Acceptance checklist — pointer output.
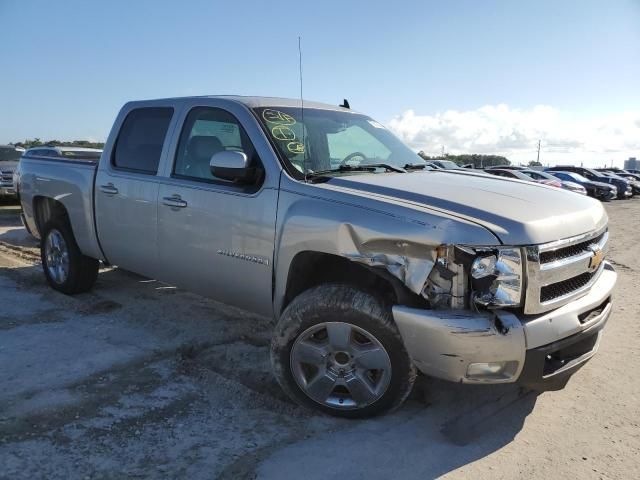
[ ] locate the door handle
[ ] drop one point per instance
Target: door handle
(174, 202)
(109, 189)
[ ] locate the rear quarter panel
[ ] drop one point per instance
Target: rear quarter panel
(68, 182)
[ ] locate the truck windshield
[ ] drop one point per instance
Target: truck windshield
(330, 139)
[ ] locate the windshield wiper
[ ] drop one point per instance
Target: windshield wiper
(368, 167)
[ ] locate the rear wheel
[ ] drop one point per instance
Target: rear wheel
(337, 349)
(65, 267)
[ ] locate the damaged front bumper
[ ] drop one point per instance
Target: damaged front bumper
(498, 346)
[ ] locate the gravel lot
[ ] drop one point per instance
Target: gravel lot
(138, 379)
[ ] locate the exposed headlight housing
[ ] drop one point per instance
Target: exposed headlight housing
(497, 277)
(483, 266)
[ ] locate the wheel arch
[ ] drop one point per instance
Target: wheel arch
(312, 268)
(45, 209)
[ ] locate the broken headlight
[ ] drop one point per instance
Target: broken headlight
(496, 277)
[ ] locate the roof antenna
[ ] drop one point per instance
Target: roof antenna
(345, 104)
(304, 146)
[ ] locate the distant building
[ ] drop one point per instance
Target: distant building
(632, 163)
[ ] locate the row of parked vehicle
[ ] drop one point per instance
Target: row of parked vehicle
(601, 183)
(10, 156)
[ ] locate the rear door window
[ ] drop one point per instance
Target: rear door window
(141, 138)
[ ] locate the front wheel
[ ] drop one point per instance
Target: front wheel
(65, 267)
(337, 349)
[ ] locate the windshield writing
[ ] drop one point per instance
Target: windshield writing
(328, 139)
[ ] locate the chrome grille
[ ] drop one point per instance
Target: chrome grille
(561, 271)
(560, 289)
(6, 178)
(570, 251)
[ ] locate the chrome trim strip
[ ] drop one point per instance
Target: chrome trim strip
(564, 270)
(566, 242)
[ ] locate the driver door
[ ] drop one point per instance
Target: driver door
(216, 237)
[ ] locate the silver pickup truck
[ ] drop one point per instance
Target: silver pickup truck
(374, 266)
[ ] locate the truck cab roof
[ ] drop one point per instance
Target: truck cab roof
(252, 102)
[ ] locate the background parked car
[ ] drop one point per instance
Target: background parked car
(445, 164)
(507, 167)
(630, 177)
(599, 190)
(632, 183)
(9, 157)
(541, 177)
(548, 179)
(623, 186)
(434, 166)
(574, 187)
(509, 173)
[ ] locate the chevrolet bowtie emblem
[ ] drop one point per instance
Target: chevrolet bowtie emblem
(596, 259)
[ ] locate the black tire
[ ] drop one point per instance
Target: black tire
(82, 270)
(346, 304)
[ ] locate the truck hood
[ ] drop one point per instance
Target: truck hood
(517, 212)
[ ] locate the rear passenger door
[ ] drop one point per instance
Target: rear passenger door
(126, 191)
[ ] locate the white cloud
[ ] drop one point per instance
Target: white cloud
(514, 133)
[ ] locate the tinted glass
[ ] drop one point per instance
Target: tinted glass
(141, 137)
(448, 164)
(206, 132)
(592, 174)
(576, 176)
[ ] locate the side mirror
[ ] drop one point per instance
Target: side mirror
(233, 166)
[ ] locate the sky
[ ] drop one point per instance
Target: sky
(457, 76)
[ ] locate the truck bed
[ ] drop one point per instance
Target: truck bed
(69, 182)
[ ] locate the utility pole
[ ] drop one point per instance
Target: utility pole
(442, 149)
(538, 159)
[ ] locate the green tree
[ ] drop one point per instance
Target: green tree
(36, 142)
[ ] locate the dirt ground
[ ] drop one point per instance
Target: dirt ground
(138, 379)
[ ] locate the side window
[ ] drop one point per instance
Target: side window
(206, 132)
(140, 140)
